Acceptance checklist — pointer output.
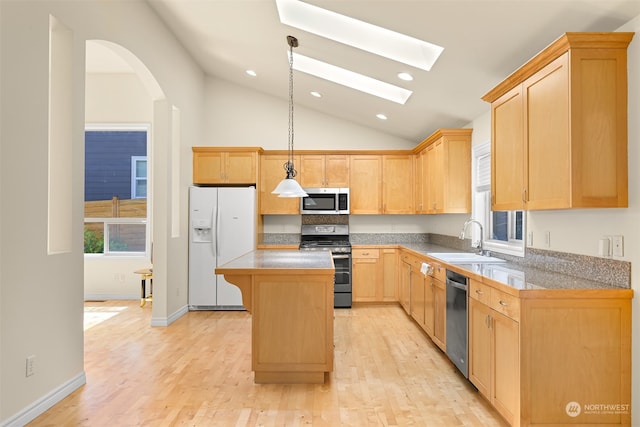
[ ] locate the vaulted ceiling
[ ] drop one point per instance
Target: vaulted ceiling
(484, 41)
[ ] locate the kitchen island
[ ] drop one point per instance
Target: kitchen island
(289, 294)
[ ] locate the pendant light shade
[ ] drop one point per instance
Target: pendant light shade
(289, 187)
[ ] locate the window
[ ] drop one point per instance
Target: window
(139, 177)
(116, 180)
(505, 229)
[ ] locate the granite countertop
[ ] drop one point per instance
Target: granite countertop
(512, 275)
(279, 262)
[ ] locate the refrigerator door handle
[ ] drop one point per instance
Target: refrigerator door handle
(214, 231)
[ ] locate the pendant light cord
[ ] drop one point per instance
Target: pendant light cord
(291, 172)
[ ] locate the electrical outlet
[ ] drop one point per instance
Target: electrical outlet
(617, 245)
(530, 239)
(547, 239)
(31, 365)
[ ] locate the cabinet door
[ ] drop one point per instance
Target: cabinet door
(506, 366)
(429, 307)
(421, 182)
(271, 173)
(507, 152)
(390, 275)
(548, 152)
(208, 167)
(439, 314)
(366, 273)
(240, 168)
(435, 179)
(456, 172)
(365, 176)
(480, 344)
(336, 170)
(405, 285)
(417, 297)
(312, 170)
(397, 185)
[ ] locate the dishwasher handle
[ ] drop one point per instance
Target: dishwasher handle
(461, 286)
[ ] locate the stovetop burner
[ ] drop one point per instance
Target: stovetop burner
(334, 238)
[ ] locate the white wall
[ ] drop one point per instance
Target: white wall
(41, 295)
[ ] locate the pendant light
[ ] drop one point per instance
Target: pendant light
(289, 187)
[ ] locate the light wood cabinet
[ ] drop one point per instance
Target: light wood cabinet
(271, 173)
(397, 184)
(365, 177)
(559, 127)
(404, 290)
(390, 275)
(534, 352)
(418, 296)
(494, 348)
(225, 165)
(374, 274)
(319, 170)
(366, 274)
(439, 306)
(444, 160)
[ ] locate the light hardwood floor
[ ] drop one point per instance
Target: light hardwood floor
(197, 372)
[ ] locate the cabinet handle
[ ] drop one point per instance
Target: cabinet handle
(365, 253)
(487, 321)
(524, 195)
(479, 292)
(503, 303)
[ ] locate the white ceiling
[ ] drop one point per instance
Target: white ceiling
(484, 41)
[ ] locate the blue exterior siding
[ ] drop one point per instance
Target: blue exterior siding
(108, 162)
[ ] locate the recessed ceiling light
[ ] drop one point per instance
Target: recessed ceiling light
(316, 94)
(251, 73)
(362, 35)
(350, 79)
(381, 116)
(405, 76)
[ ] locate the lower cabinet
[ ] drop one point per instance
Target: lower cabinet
(439, 313)
(404, 288)
(374, 274)
(494, 347)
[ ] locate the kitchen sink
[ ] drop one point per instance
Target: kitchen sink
(464, 258)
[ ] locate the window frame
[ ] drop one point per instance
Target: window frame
(110, 127)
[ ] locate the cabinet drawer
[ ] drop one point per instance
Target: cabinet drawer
(366, 253)
(505, 304)
(480, 292)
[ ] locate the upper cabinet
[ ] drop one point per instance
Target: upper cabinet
(381, 183)
(324, 170)
(397, 184)
(225, 165)
(365, 176)
(271, 173)
(443, 179)
(559, 127)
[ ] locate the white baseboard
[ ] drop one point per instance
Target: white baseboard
(41, 405)
(166, 321)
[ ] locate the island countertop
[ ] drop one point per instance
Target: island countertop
(279, 262)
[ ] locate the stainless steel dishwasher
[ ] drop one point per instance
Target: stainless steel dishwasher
(457, 320)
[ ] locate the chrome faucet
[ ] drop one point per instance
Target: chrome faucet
(481, 251)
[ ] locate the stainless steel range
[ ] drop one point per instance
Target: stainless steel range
(334, 238)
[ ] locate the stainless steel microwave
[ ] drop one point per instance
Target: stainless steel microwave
(325, 201)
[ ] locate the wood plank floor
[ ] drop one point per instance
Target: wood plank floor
(197, 372)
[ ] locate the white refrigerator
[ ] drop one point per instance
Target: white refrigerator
(222, 226)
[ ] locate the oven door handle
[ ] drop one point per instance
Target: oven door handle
(341, 256)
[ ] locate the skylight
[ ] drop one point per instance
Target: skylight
(362, 35)
(350, 79)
